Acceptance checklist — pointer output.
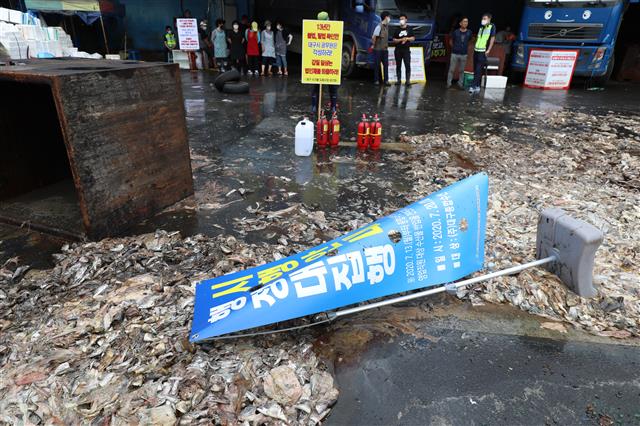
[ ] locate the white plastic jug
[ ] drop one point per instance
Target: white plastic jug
(304, 138)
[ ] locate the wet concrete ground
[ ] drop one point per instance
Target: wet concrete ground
(489, 369)
(246, 141)
(488, 365)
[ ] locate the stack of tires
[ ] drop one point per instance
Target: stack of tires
(229, 82)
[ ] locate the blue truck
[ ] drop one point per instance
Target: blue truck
(591, 27)
(360, 18)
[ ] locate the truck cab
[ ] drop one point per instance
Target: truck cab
(361, 17)
(591, 27)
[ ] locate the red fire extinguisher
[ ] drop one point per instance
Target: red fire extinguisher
(363, 133)
(335, 130)
(322, 131)
(376, 133)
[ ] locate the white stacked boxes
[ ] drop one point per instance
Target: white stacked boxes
(24, 36)
(15, 16)
(12, 39)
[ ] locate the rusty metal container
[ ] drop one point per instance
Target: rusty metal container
(107, 138)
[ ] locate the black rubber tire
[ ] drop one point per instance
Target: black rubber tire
(604, 79)
(225, 77)
(236, 87)
(348, 64)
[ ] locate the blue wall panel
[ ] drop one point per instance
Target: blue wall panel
(146, 19)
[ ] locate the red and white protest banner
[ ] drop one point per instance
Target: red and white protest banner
(550, 69)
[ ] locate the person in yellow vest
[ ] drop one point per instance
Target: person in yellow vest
(170, 43)
(484, 43)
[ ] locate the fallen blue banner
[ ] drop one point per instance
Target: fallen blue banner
(437, 240)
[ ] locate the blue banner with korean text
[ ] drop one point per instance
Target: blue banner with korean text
(434, 241)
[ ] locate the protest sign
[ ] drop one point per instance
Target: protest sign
(437, 240)
(188, 34)
(550, 69)
(321, 51)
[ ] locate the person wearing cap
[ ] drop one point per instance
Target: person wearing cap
(333, 89)
(380, 42)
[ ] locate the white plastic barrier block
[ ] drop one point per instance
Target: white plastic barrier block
(494, 82)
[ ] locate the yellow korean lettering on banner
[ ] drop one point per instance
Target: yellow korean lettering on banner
(271, 274)
(369, 231)
(321, 51)
(236, 286)
(316, 254)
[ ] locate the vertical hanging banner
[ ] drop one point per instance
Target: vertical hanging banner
(437, 240)
(550, 69)
(321, 51)
(187, 30)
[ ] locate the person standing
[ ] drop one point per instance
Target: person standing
(315, 89)
(268, 48)
(283, 40)
(169, 41)
(244, 24)
(380, 41)
(237, 51)
(252, 36)
(206, 47)
(219, 39)
(402, 38)
(506, 38)
(459, 44)
(484, 44)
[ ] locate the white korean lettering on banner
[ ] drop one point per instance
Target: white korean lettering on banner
(381, 260)
(268, 294)
(310, 280)
(342, 274)
(222, 311)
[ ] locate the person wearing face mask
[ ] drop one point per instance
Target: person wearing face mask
(252, 36)
(268, 48)
(380, 41)
(237, 53)
(484, 43)
(283, 39)
(219, 38)
(169, 41)
(206, 47)
(459, 44)
(402, 39)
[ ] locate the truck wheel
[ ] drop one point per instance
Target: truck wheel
(604, 79)
(516, 77)
(231, 75)
(348, 64)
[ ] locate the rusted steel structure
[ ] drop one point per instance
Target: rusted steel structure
(116, 129)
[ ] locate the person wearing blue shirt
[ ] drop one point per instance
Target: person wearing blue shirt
(459, 44)
(484, 44)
